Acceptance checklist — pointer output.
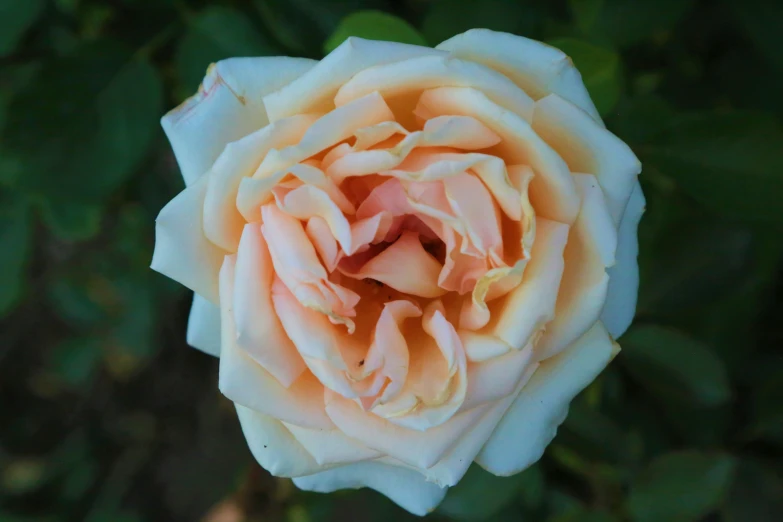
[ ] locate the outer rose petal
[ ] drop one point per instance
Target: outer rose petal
(226, 108)
(182, 251)
(623, 290)
(538, 68)
(405, 487)
(273, 446)
(315, 90)
(426, 72)
(531, 423)
(331, 446)
(590, 250)
(204, 326)
(587, 147)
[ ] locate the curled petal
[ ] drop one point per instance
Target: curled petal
(552, 191)
(296, 264)
(225, 109)
(426, 72)
(482, 347)
(255, 192)
(538, 68)
(493, 379)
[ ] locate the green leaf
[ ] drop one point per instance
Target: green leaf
(374, 25)
(214, 34)
(75, 360)
(85, 122)
(593, 434)
(480, 494)
(674, 366)
(680, 487)
(447, 18)
(730, 162)
(16, 240)
(692, 262)
(761, 21)
(600, 69)
(71, 221)
(626, 22)
(16, 17)
(755, 495)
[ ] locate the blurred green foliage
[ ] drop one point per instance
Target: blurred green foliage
(108, 416)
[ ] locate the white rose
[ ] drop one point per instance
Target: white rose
(408, 259)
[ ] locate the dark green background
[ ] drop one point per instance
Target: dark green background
(105, 413)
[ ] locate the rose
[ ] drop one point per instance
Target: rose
(406, 258)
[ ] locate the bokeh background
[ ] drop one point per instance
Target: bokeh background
(107, 416)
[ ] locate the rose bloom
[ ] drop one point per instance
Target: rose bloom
(407, 259)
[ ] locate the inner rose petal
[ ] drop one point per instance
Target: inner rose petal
(296, 264)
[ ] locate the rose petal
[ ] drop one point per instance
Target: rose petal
(482, 347)
(315, 90)
(590, 250)
(332, 446)
(621, 297)
(493, 379)
(259, 331)
(246, 382)
(296, 264)
(532, 420)
(538, 68)
(225, 108)
(426, 72)
(182, 251)
(422, 449)
(273, 446)
(420, 275)
(531, 305)
(587, 147)
(552, 191)
(223, 223)
(204, 326)
(406, 488)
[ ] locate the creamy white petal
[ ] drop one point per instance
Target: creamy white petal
(315, 90)
(590, 250)
(204, 326)
(331, 446)
(588, 147)
(620, 306)
(532, 420)
(538, 68)
(405, 487)
(226, 108)
(426, 72)
(273, 446)
(496, 378)
(182, 251)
